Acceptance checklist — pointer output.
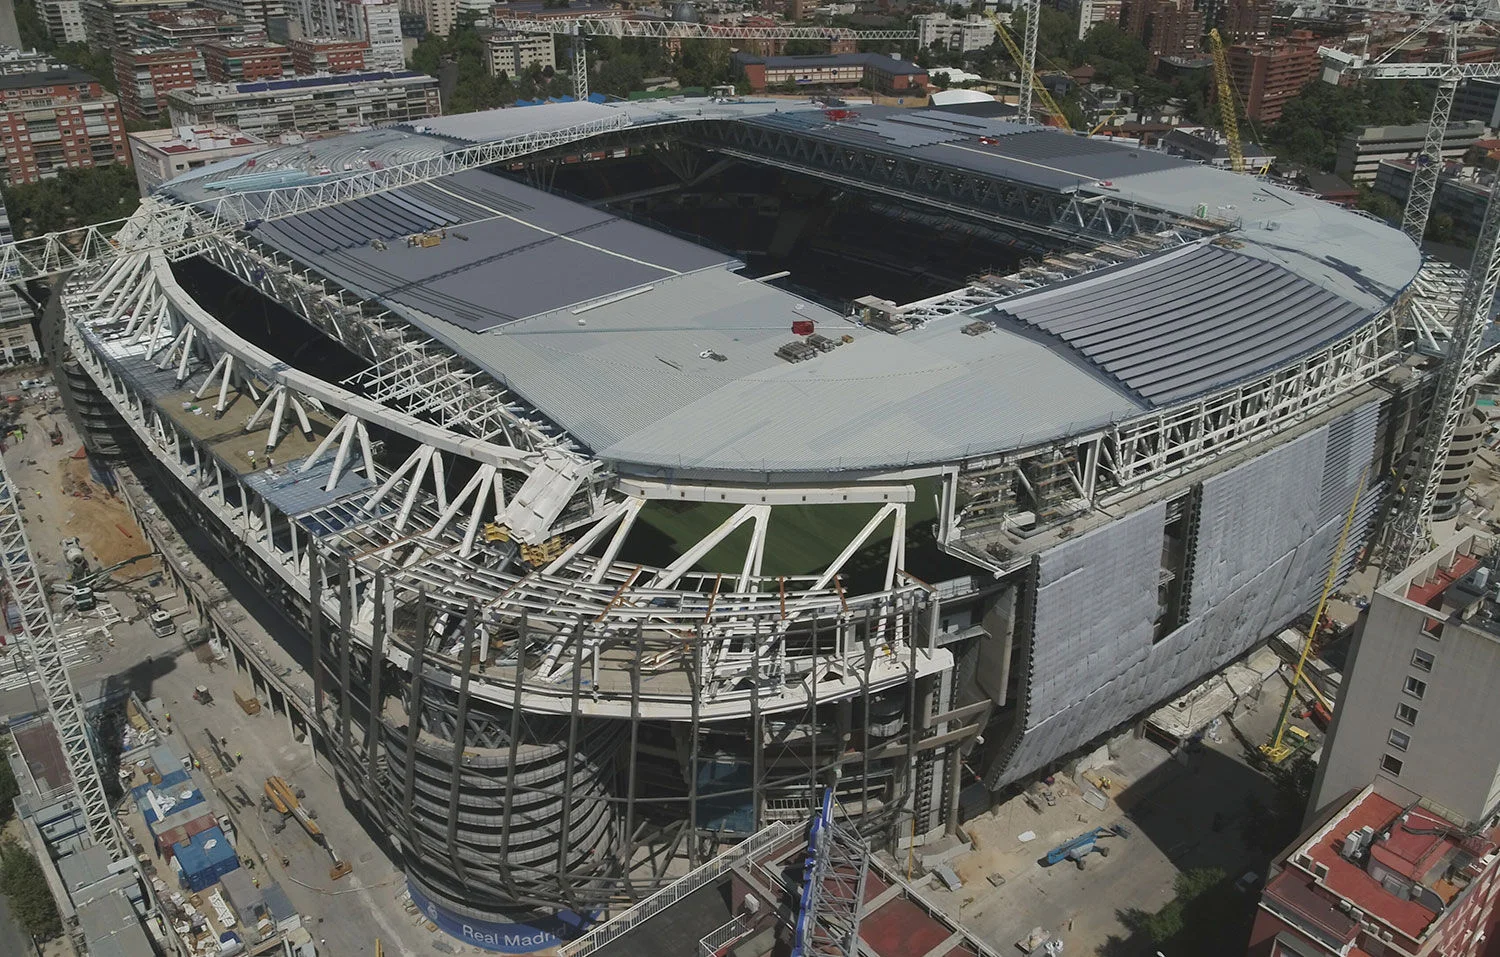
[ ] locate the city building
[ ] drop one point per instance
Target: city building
(378, 24)
(267, 15)
(55, 120)
(1091, 13)
(312, 104)
(64, 20)
(107, 22)
(18, 343)
(1421, 678)
(573, 583)
(184, 28)
(325, 55)
(973, 32)
(1382, 871)
(1460, 198)
(245, 61)
(1168, 28)
(13, 60)
(1361, 153)
(1268, 74)
(145, 76)
(160, 155)
(1478, 99)
(872, 71)
(1206, 146)
(512, 54)
(440, 16)
(1248, 21)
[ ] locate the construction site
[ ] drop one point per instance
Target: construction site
(631, 483)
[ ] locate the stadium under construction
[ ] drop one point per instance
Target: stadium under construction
(608, 550)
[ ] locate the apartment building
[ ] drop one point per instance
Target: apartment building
(1248, 21)
(1361, 153)
(1419, 690)
(375, 22)
(144, 76)
(161, 155)
(1463, 200)
(268, 15)
(1267, 75)
(18, 343)
(55, 120)
(64, 20)
(311, 104)
(325, 55)
(1382, 872)
(1478, 99)
(1168, 28)
(107, 22)
(512, 54)
(184, 28)
(237, 61)
(1091, 13)
(13, 60)
(973, 32)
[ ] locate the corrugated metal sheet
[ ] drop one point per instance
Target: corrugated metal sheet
(1185, 324)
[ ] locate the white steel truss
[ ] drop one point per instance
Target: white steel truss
(615, 26)
(40, 638)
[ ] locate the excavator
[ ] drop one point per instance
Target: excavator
(279, 795)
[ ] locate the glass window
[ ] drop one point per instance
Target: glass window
(1406, 714)
(1415, 687)
(1421, 659)
(1399, 740)
(1390, 765)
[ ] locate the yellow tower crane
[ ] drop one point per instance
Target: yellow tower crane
(1228, 108)
(1056, 117)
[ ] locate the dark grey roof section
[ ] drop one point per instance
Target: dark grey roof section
(509, 252)
(1188, 323)
(1046, 158)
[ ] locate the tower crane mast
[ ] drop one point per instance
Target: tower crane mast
(42, 646)
(1229, 118)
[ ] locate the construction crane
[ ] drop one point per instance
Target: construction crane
(279, 795)
(1277, 749)
(1447, 76)
(1229, 109)
(577, 28)
(39, 637)
(1029, 80)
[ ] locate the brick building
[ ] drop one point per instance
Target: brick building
(326, 55)
(871, 71)
(1168, 28)
(55, 120)
(1091, 13)
(230, 61)
(145, 75)
(1268, 74)
(1248, 21)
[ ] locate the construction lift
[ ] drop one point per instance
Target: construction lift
(1286, 740)
(1229, 109)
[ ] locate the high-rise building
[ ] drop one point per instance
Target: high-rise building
(1168, 28)
(1268, 74)
(1384, 872)
(145, 75)
(107, 22)
(1418, 695)
(64, 20)
(55, 120)
(1361, 152)
(1248, 21)
(329, 55)
(312, 104)
(239, 61)
(1091, 13)
(378, 24)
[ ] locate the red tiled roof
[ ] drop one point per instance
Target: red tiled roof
(1424, 594)
(1351, 882)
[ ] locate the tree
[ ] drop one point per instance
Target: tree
(9, 790)
(22, 880)
(76, 197)
(1204, 916)
(1315, 120)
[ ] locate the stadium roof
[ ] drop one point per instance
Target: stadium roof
(659, 357)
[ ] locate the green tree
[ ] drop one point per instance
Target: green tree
(1315, 120)
(1379, 204)
(76, 197)
(9, 790)
(1207, 915)
(22, 880)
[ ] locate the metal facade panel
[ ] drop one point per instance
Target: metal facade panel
(1253, 514)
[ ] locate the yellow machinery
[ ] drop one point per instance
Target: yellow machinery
(279, 793)
(1228, 108)
(1279, 748)
(1056, 116)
